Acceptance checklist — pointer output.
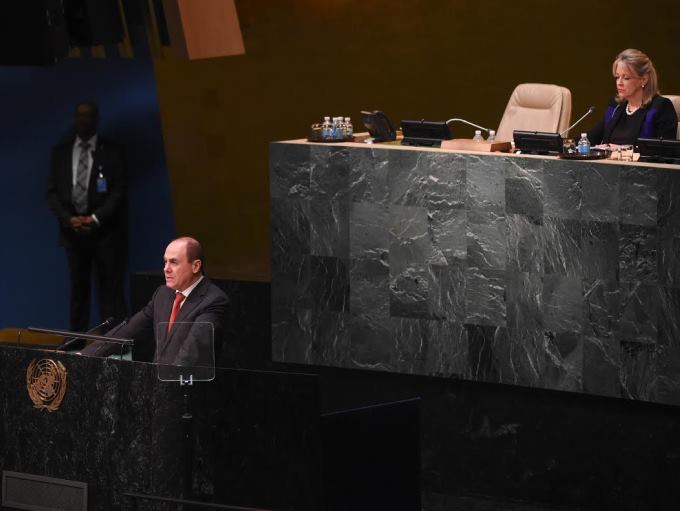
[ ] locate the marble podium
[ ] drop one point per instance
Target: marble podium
(257, 436)
(511, 269)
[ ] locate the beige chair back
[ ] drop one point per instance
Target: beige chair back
(536, 107)
(676, 103)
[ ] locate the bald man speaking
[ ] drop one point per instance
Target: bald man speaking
(187, 297)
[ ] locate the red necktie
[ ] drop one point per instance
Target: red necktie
(179, 297)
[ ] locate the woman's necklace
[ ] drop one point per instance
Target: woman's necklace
(629, 111)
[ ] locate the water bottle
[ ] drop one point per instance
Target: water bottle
(337, 128)
(326, 128)
(492, 136)
(343, 127)
(349, 129)
(584, 145)
(478, 136)
(331, 131)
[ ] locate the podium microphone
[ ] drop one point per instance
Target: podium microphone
(104, 324)
(467, 122)
(590, 111)
(99, 344)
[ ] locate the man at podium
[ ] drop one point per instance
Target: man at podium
(187, 297)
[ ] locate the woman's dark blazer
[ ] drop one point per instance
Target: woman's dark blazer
(660, 120)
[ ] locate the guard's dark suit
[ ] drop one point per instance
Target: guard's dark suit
(104, 247)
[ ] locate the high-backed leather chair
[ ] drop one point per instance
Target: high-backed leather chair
(676, 103)
(536, 107)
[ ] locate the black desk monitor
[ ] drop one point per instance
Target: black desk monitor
(658, 150)
(537, 142)
(378, 125)
(425, 133)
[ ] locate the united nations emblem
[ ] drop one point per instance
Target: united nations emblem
(46, 383)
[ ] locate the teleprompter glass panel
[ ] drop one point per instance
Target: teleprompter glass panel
(185, 351)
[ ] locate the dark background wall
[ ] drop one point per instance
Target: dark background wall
(37, 107)
(430, 59)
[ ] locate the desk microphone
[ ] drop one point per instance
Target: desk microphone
(590, 111)
(115, 329)
(467, 122)
(104, 324)
(110, 333)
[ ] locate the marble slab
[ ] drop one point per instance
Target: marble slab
(532, 271)
(256, 434)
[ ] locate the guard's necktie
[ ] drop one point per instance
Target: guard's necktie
(179, 298)
(79, 194)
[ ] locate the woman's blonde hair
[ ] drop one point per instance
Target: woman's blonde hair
(641, 65)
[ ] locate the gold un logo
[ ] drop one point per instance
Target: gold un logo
(46, 383)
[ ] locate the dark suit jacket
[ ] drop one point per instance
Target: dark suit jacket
(660, 120)
(185, 344)
(110, 207)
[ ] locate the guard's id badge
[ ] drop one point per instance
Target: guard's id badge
(101, 184)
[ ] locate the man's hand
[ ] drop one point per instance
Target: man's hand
(76, 222)
(82, 223)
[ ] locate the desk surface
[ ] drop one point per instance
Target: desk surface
(399, 147)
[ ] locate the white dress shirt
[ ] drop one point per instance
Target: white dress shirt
(188, 290)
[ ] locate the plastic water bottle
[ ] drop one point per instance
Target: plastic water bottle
(343, 127)
(337, 128)
(326, 128)
(492, 136)
(478, 136)
(349, 129)
(584, 145)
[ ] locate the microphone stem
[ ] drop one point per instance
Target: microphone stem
(590, 111)
(468, 122)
